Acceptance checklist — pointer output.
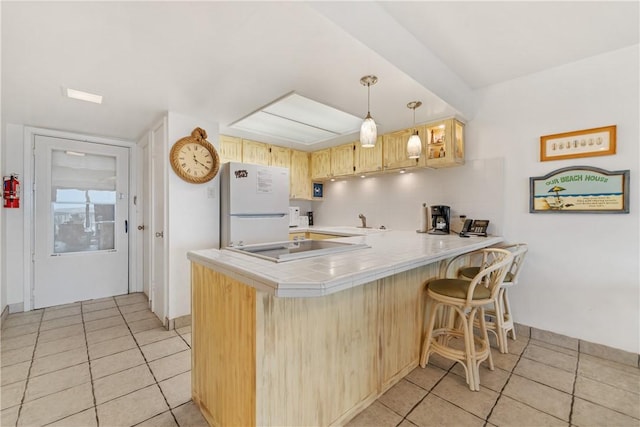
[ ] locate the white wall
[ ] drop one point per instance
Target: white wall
(581, 277)
(13, 221)
(194, 216)
(394, 200)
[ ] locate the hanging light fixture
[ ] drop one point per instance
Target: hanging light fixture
(414, 145)
(368, 130)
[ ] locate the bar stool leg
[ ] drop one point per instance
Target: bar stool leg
(473, 376)
(507, 313)
(501, 331)
(432, 308)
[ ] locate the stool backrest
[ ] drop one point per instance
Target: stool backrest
(519, 251)
(495, 264)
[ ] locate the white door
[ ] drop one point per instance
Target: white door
(159, 294)
(81, 213)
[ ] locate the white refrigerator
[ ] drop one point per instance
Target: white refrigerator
(254, 204)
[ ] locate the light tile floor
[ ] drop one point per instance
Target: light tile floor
(110, 363)
(536, 384)
(106, 362)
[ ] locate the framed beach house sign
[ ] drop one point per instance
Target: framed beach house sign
(580, 189)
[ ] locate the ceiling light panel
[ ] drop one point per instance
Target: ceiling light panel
(84, 96)
(279, 127)
(299, 119)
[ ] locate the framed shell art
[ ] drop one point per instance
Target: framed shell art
(583, 143)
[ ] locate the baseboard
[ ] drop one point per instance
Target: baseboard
(598, 350)
(16, 308)
(179, 322)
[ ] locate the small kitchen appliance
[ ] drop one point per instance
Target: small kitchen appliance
(440, 219)
(294, 216)
(254, 204)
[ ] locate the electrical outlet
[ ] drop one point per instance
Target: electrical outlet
(211, 192)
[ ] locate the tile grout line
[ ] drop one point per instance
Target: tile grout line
(26, 384)
(486, 420)
(93, 389)
(446, 372)
(150, 370)
(573, 390)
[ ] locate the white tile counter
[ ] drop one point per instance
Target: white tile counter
(391, 252)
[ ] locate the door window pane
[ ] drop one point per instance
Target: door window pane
(83, 201)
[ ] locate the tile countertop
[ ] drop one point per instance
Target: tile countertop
(391, 252)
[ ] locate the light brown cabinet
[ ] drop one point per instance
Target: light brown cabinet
(321, 164)
(342, 160)
(444, 141)
(442, 146)
(300, 176)
(255, 152)
(394, 150)
(279, 156)
(230, 149)
(367, 160)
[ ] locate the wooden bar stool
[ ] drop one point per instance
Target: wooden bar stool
(499, 319)
(456, 302)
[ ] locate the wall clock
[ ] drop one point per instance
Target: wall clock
(194, 159)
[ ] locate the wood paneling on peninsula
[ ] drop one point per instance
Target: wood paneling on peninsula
(263, 360)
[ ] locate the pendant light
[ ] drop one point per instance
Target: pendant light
(414, 145)
(368, 130)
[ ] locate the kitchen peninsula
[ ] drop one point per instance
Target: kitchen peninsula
(312, 341)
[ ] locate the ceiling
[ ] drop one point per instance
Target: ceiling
(219, 61)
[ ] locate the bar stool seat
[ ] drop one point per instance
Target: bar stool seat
(455, 303)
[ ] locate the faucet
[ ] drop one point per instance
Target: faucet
(364, 220)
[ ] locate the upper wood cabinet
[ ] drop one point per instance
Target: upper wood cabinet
(321, 164)
(300, 175)
(342, 160)
(368, 159)
(444, 141)
(255, 152)
(230, 149)
(394, 150)
(279, 156)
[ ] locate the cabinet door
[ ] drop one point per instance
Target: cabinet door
(230, 149)
(342, 160)
(300, 187)
(445, 143)
(255, 152)
(279, 156)
(321, 164)
(368, 159)
(394, 150)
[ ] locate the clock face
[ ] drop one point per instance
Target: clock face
(195, 162)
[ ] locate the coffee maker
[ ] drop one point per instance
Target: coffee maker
(439, 219)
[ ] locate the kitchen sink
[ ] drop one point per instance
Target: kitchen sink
(299, 249)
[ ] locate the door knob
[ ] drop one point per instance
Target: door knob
(141, 227)
(160, 234)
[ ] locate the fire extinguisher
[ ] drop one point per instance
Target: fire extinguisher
(11, 191)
